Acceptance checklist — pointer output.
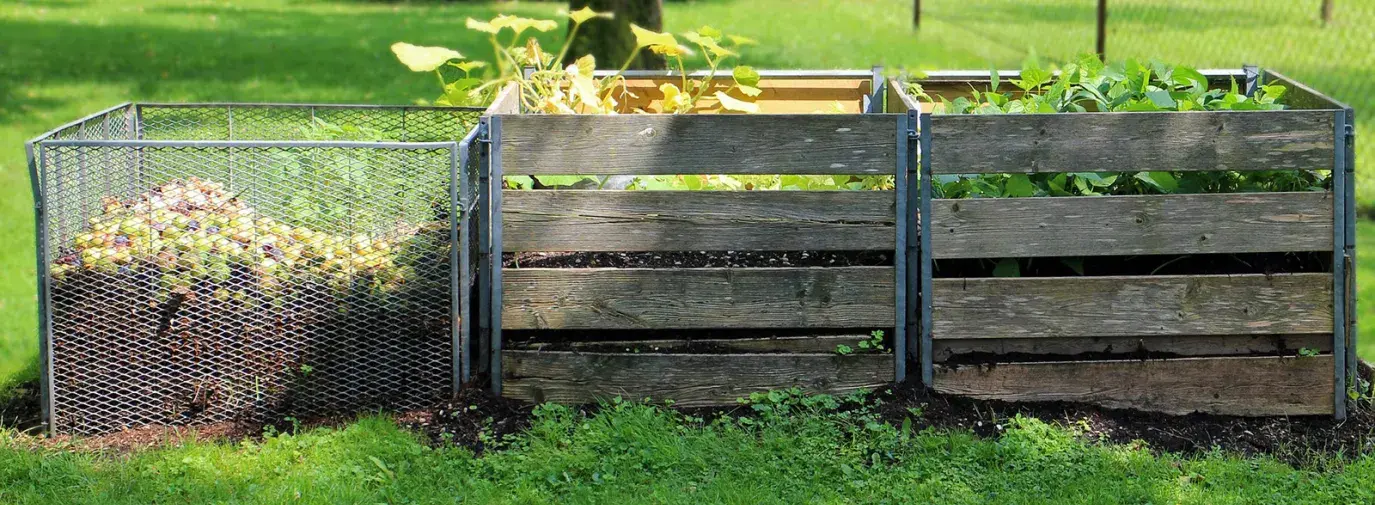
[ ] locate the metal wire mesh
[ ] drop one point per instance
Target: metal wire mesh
(195, 282)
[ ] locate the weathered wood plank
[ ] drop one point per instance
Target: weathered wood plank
(698, 220)
(698, 144)
(899, 102)
(1042, 307)
(1138, 141)
(1131, 225)
(1298, 95)
(633, 298)
(1192, 345)
(790, 344)
(1260, 386)
(506, 102)
(691, 380)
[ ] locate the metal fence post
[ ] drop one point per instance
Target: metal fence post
(44, 323)
(927, 364)
(900, 258)
(494, 185)
(1352, 336)
(484, 256)
(1339, 265)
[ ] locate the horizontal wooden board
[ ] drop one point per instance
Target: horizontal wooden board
(1131, 225)
(506, 102)
(691, 380)
(632, 298)
(1260, 386)
(1136, 141)
(699, 144)
(1044, 307)
(899, 102)
(1159, 346)
(779, 95)
(1298, 95)
(790, 344)
(574, 220)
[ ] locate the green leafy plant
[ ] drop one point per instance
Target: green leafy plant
(1088, 85)
(547, 86)
(1308, 352)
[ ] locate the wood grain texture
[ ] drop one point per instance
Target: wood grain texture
(1261, 386)
(1160, 346)
(631, 298)
(1137, 141)
(899, 102)
(506, 102)
(791, 344)
(1042, 307)
(699, 144)
(1298, 95)
(1131, 225)
(691, 380)
(576, 220)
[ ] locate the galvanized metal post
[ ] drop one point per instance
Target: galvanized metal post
(495, 184)
(873, 102)
(484, 256)
(44, 299)
(458, 260)
(1352, 336)
(1339, 266)
(927, 267)
(1252, 74)
(900, 176)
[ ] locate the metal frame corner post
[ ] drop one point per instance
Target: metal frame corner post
(1343, 222)
(901, 257)
(34, 155)
(494, 185)
(1352, 336)
(458, 260)
(482, 339)
(877, 90)
(1253, 78)
(924, 248)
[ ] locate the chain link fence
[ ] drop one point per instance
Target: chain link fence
(206, 263)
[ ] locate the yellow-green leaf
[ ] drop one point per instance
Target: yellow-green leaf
(710, 32)
(581, 16)
(734, 104)
(468, 66)
(745, 76)
(651, 38)
(520, 24)
(483, 26)
(674, 99)
(586, 65)
(708, 43)
(423, 58)
(749, 91)
(741, 41)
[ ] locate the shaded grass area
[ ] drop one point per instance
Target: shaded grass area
(814, 450)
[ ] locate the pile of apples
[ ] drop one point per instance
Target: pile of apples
(190, 231)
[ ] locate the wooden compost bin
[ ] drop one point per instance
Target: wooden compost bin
(661, 304)
(1228, 335)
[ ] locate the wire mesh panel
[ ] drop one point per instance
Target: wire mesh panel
(195, 282)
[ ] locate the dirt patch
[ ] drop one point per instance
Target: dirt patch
(20, 407)
(697, 259)
(474, 419)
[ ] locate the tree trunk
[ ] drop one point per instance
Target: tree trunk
(1326, 12)
(610, 40)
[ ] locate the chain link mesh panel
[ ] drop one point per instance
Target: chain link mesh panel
(190, 284)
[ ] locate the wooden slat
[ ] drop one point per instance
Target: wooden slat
(1031, 307)
(1131, 225)
(576, 220)
(632, 298)
(1160, 346)
(691, 380)
(1298, 95)
(698, 144)
(1261, 386)
(506, 102)
(1137, 141)
(804, 344)
(780, 95)
(899, 102)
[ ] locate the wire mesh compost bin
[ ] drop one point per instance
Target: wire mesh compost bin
(206, 263)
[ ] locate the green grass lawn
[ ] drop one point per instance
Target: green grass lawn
(640, 454)
(65, 58)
